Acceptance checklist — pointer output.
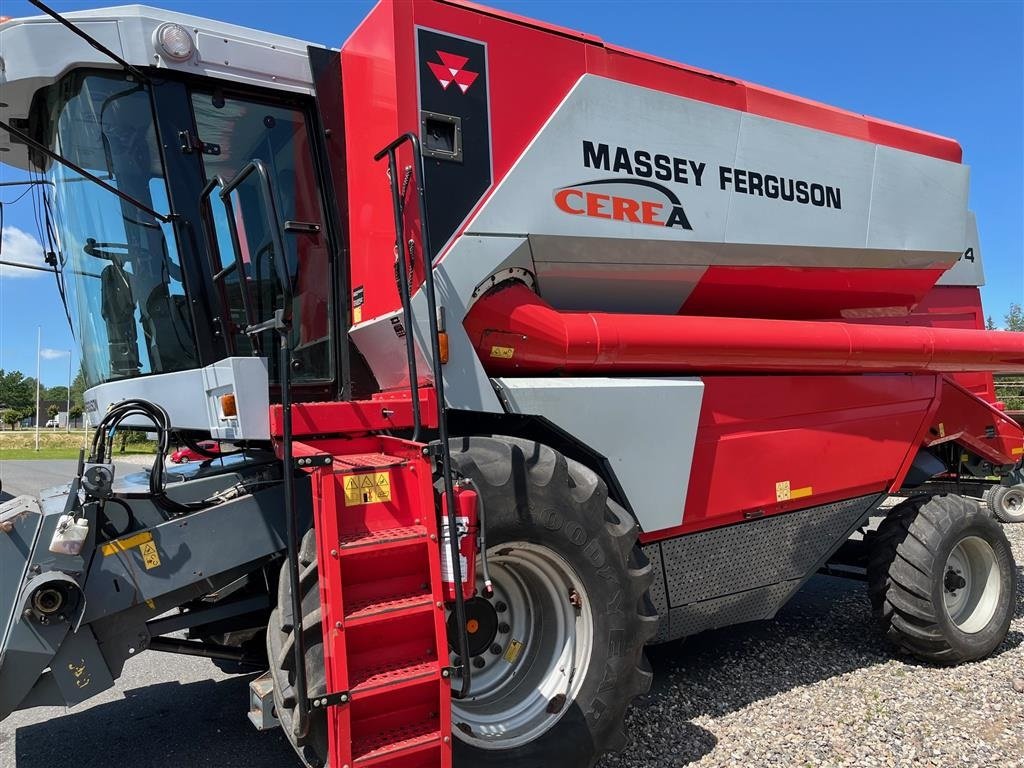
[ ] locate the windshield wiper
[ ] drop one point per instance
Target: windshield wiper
(90, 40)
(24, 138)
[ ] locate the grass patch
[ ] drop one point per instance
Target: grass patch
(21, 444)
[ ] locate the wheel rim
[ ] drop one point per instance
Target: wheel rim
(529, 675)
(1013, 504)
(971, 585)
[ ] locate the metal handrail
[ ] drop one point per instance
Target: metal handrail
(435, 359)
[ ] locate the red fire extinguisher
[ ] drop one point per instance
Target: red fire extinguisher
(467, 526)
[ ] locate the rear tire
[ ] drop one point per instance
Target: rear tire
(942, 579)
(312, 747)
(1006, 502)
(549, 515)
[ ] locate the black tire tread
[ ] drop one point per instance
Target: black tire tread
(903, 554)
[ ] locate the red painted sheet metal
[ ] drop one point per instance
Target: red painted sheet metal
(982, 428)
(772, 444)
(692, 82)
(950, 306)
(357, 417)
(813, 293)
(516, 333)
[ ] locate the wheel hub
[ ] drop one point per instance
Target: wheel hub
(481, 627)
(1013, 502)
(531, 648)
(972, 587)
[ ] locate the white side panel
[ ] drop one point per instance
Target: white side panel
(188, 397)
(645, 428)
(878, 198)
(469, 262)
(967, 271)
(246, 378)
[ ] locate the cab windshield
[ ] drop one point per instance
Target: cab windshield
(120, 264)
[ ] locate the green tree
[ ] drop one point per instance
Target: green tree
(990, 324)
(58, 394)
(53, 410)
(17, 390)
(78, 389)
(1014, 319)
(10, 417)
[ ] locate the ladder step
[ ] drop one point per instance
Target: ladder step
(388, 538)
(391, 676)
(353, 462)
(363, 611)
(381, 747)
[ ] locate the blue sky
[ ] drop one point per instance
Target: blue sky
(952, 68)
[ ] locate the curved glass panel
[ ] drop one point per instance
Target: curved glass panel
(121, 265)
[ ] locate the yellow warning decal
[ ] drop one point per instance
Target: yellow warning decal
(1017, 451)
(357, 315)
(942, 429)
(150, 555)
(783, 491)
(369, 488)
(129, 542)
(505, 353)
(513, 651)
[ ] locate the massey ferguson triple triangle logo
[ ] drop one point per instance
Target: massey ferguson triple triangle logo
(450, 70)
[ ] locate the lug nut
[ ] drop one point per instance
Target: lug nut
(500, 607)
(496, 649)
(504, 628)
(479, 663)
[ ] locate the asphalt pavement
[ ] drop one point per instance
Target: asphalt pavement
(20, 477)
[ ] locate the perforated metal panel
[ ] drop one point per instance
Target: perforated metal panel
(737, 558)
(753, 605)
(745, 572)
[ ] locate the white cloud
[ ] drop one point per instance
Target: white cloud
(52, 354)
(21, 248)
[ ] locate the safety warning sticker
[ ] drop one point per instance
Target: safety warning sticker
(369, 488)
(150, 555)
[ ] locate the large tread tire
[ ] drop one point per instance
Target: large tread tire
(906, 570)
(1006, 502)
(312, 747)
(532, 493)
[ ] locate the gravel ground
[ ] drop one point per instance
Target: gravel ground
(819, 687)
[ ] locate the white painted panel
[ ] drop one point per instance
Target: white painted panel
(646, 428)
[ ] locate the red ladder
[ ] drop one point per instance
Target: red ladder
(385, 638)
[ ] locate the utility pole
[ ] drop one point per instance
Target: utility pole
(39, 351)
(67, 418)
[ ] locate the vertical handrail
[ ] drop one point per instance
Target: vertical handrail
(435, 360)
(280, 323)
(403, 287)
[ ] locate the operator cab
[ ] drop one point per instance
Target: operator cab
(153, 300)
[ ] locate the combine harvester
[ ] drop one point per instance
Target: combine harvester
(535, 350)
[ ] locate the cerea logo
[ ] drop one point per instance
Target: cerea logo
(637, 201)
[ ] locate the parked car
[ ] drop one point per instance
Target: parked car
(186, 454)
(53, 424)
